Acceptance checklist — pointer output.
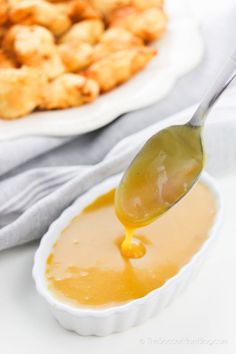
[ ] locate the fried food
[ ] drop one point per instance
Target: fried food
(3, 11)
(34, 46)
(56, 54)
(88, 31)
(40, 12)
(69, 90)
(2, 34)
(120, 37)
(81, 10)
(76, 55)
(148, 25)
(105, 7)
(6, 61)
(146, 4)
(113, 40)
(19, 91)
(118, 67)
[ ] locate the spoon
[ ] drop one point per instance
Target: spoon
(169, 164)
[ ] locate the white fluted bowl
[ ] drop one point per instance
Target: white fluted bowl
(103, 322)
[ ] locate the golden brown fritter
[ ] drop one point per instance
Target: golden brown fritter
(69, 90)
(3, 11)
(76, 55)
(113, 40)
(34, 46)
(146, 4)
(3, 31)
(19, 91)
(105, 7)
(40, 12)
(88, 31)
(6, 61)
(81, 10)
(117, 37)
(13, 2)
(118, 67)
(148, 25)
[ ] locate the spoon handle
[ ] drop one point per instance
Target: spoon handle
(223, 80)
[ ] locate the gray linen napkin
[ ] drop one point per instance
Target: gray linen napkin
(41, 176)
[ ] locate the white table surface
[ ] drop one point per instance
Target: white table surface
(205, 313)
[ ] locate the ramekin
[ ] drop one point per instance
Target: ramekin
(102, 322)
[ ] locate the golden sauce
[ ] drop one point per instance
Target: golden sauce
(86, 267)
(162, 172)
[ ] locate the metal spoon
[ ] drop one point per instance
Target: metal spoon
(169, 164)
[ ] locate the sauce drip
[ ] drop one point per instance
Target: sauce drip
(163, 171)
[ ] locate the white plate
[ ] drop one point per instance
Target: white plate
(179, 52)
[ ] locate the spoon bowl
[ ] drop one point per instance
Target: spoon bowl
(169, 164)
(165, 169)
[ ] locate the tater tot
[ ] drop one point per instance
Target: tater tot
(69, 90)
(118, 67)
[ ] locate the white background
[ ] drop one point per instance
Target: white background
(204, 314)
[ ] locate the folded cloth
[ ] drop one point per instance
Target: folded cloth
(35, 187)
(50, 190)
(218, 31)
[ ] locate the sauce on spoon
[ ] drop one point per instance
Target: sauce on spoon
(164, 170)
(168, 165)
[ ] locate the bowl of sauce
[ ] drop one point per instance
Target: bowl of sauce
(96, 284)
